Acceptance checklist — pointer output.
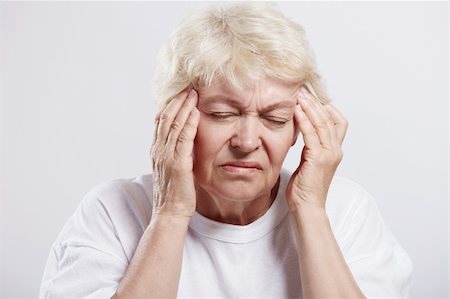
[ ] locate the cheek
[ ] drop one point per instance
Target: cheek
(209, 140)
(278, 145)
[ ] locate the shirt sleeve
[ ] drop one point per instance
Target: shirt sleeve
(87, 259)
(379, 264)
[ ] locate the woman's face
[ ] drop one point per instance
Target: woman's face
(243, 138)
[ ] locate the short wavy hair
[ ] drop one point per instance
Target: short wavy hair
(239, 42)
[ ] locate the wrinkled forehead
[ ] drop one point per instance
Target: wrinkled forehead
(267, 90)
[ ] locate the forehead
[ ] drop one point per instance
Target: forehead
(263, 91)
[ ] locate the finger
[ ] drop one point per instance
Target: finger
(331, 127)
(181, 118)
(166, 117)
(340, 122)
(305, 126)
(329, 120)
(335, 132)
(155, 130)
(185, 144)
(319, 118)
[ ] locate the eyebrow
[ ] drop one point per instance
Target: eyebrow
(232, 101)
(280, 105)
(221, 98)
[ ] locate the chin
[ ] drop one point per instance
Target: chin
(235, 187)
(239, 190)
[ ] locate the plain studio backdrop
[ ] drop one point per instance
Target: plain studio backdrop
(76, 110)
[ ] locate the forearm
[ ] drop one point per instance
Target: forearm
(154, 271)
(324, 272)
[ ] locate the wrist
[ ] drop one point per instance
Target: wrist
(307, 206)
(170, 221)
(306, 214)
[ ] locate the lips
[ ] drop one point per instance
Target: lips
(242, 166)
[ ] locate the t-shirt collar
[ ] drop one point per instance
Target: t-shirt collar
(245, 233)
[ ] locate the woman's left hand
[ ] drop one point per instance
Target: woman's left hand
(323, 128)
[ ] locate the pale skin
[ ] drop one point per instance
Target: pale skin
(241, 143)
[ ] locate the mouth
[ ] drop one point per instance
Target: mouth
(241, 167)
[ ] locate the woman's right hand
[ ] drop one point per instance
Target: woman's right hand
(171, 152)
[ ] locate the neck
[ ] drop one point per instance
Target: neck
(227, 210)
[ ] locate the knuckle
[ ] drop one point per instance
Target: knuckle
(176, 125)
(159, 157)
(164, 117)
(322, 124)
(184, 137)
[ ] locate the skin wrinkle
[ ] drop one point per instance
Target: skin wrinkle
(280, 111)
(241, 200)
(228, 171)
(227, 101)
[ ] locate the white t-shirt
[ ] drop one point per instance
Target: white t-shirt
(91, 254)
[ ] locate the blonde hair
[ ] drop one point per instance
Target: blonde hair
(239, 42)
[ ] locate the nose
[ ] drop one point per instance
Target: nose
(246, 137)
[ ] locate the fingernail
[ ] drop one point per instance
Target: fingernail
(303, 93)
(303, 97)
(192, 93)
(195, 112)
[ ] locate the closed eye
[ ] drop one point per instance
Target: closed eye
(278, 122)
(222, 115)
(272, 121)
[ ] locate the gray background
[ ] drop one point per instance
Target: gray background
(76, 110)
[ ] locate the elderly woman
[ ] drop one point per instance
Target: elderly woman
(219, 218)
